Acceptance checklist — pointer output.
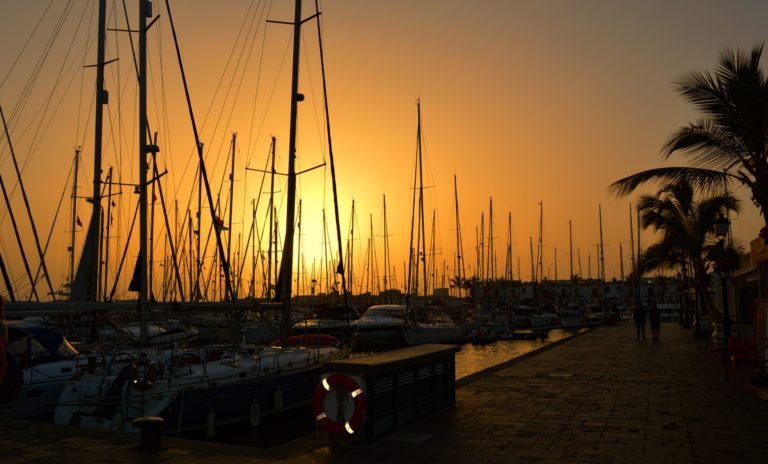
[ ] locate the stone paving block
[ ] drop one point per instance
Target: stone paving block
(97, 447)
(14, 460)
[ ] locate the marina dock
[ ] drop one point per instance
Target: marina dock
(597, 397)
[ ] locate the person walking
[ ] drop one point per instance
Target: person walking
(638, 315)
(654, 317)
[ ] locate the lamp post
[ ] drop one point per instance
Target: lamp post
(680, 297)
(722, 224)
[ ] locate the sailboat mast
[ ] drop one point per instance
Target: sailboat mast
(421, 205)
(386, 252)
(371, 276)
(191, 260)
(511, 275)
(459, 252)
(168, 233)
(286, 264)
(351, 250)
(199, 146)
(340, 267)
(271, 220)
(106, 238)
(74, 221)
(151, 236)
(85, 283)
(483, 267)
(298, 255)
(231, 198)
(491, 250)
(101, 100)
(199, 259)
(621, 270)
(570, 247)
(143, 167)
(540, 250)
(432, 255)
(253, 252)
(570, 254)
(533, 269)
(602, 254)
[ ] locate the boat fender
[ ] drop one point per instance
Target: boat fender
(144, 373)
(338, 388)
(210, 423)
(278, 400)
(255, 414)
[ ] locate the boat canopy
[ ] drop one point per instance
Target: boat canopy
(38, 342)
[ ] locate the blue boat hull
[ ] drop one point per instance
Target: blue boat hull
(245, 402)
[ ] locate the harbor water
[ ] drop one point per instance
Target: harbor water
(475, 358)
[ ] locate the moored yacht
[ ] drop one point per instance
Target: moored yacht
(380, 325)
(43, 362)
(330, 320)
(196, 391)
(439, 329)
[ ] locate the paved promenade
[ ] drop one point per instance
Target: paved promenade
(600, 397)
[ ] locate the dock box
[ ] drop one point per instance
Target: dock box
(401, 386)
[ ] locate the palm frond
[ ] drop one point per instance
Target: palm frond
(706, 179)
(708, 145)
(703, 90)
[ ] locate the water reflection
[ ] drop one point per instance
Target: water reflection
(475, 358)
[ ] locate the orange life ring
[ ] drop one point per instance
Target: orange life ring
(341, 426)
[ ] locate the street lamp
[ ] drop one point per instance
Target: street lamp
(680, 295)
(722, 224)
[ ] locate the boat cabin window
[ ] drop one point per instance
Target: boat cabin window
(24, 349)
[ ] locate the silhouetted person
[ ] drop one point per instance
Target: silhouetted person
(638, 315)
(654, 317)
(11, 376)
(3, 342)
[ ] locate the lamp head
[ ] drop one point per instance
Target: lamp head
(722, 224)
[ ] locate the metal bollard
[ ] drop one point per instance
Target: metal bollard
(151, 433)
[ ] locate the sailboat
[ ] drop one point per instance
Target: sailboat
(44, 361)
(45, 358)
(426, 325)
(201, 390)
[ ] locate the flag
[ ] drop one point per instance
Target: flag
(219, 222)
(78, 222)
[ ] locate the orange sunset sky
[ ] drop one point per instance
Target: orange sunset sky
(524, 101)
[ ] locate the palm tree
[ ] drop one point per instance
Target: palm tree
(686, 225)
(730, 141)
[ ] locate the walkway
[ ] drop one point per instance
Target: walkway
(599, 397)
